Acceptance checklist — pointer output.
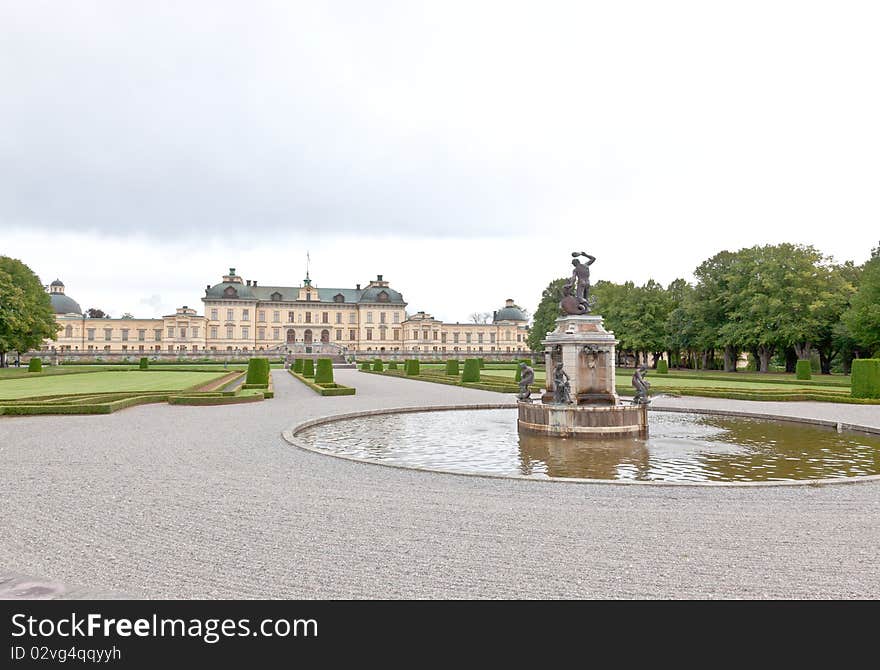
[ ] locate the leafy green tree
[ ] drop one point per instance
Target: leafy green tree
(95, 313)
(546, 314)
(863, 317)
(26, 314)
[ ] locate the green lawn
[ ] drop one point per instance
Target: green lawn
(102, 381)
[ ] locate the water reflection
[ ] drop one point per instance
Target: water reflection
(680, 447)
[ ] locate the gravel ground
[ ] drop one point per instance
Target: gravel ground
(163, 501)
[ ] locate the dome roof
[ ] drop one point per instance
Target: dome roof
(57, 282)
(63, 304)
(510, 313)
(221, 290)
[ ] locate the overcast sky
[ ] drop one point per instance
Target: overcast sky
(462, 149)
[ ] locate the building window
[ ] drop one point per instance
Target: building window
(183, 332)
(338, 317)
(308, 317)
(90, 336)
(213, 332)
(125, 334)
(108, 334)
(68, 332)
(424, 334)
(435, 334)
(290, 317)
(369, 317)
(261, 315)
(142, 335)
(381, 317)
(396, 317)
(396, 333)
(383, 333)
(230, 315)
(479, 338)
(338, 334)
(230, 332)
(325, 317)
(443, 338)
(214, 316)
(195, 331)
(455, 338)
(467, 338)
(352, 317)
(245, 315)
(492, 338)
(276, 333)
(519, 337)
(276, 316)
(245, 332)
(507, 335)
(352, 334)
(157, 334)
(140, 347)
(261, 333)
(369, 333)
(338, 298)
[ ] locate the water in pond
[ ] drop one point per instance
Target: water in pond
(680, 447)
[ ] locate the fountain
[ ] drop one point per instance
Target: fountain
(580, 399)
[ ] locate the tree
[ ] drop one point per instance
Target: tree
(127, 315)
(546, 313)
(94, 313)
(26, 314)
(863, 316)
(481, 317)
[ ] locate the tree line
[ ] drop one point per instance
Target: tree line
(779, 303)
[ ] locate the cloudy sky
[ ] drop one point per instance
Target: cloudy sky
(462, 149)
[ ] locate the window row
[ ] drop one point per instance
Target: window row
(303, 317)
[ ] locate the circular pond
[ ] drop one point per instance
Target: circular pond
(680, 448)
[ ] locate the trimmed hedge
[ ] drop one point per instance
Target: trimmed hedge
(392, 365)
(471, 372)
(377, 365)
(308, 368)
(482, 363)
(412, 368)
(35, 365)
(298, 365)
(366, 366)
(330, 389)
(324, 372)
(866, 378)
(662, 367)
(258, 371)
(452, 368)
(803, 370)
(144, 363)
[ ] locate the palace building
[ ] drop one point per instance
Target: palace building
(243, 316)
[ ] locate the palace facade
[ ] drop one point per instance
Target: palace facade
(242, 317)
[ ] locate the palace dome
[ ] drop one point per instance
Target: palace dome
(62, 304)
(510, 312)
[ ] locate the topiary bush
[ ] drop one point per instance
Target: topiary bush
(365, 366)
(803, 370)
(144, 364)
(865, 381)
(35, 365)
(412, 368)
(308, 367)
(298, 365)
(482, 363)
(324, 371)
(258, 371)
(662, 367)
(378, 365)
(471, 372)
(392, 365)
(452, 367)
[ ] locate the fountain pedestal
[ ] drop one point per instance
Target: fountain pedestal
(586, 351)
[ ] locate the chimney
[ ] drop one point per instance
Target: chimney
(378, 277)
(248, 282)
(255, 282)
(357, 287)
(509, 302)
(208, 287)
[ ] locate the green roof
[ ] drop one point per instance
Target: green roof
(291, 293)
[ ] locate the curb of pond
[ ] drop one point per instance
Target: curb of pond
(290, 436)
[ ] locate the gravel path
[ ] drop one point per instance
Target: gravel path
(163, 501)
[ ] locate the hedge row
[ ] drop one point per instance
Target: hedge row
(471, 371)
(258, 371)
(325, 389)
